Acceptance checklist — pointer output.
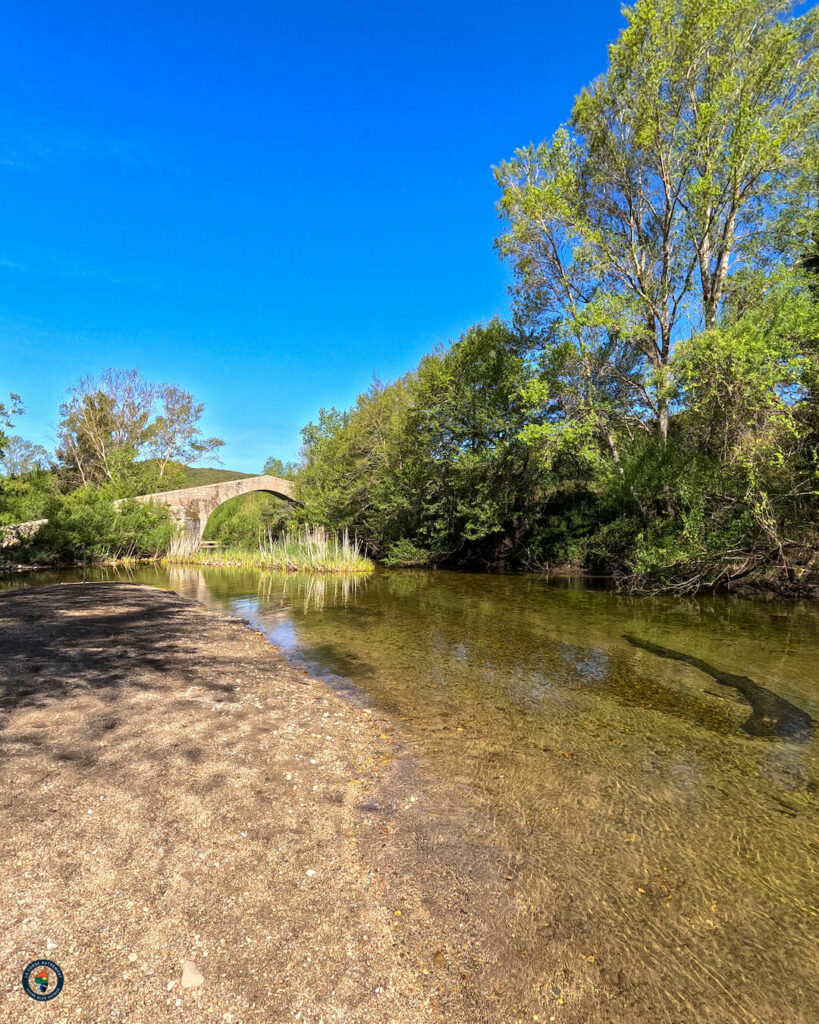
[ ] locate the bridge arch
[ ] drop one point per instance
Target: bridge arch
(191, 507)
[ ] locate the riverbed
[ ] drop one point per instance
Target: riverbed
(648, 765)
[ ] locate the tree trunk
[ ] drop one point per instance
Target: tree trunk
(662, 419)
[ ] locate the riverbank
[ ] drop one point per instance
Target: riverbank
(308, 550)
(174, 790)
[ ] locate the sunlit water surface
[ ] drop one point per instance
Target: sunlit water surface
(652, 763)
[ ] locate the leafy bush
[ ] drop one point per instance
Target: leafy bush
(88, 521)
(248, 520)
(403, 553)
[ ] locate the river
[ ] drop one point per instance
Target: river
(648, 765)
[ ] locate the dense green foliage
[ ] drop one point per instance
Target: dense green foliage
(248, 520)
(463, 463)
(652, 412)
(436, 459)
(88, 522)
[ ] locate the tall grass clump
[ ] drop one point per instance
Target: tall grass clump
(183, 546)
(311, 550)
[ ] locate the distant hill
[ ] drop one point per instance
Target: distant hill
(198, 476)
(178, 476)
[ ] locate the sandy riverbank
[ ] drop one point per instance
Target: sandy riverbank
(173, 789)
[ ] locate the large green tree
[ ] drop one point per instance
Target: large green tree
(21, 458)
(175, 435)
(681, 169)
(436, 458)
(108, 424)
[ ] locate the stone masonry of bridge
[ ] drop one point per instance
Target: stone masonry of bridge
(191, 507)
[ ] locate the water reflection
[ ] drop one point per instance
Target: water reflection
(310, 592)
(661, 837)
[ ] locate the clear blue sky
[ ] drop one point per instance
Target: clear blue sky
(264, 203)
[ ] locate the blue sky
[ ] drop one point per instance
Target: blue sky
(264, 203)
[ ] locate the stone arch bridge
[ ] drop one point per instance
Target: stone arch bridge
(191, 507)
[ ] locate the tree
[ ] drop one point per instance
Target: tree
(626, 229)
(21, 458)
(104, 424)
(473, 478)
(15, 408)
(748, 385)
(432, 467)
(109, 423)
(175, 435)
(353, 461)
(285, 470)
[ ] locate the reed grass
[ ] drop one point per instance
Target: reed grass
(310, 550)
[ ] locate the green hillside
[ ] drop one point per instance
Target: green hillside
(197, 476)
(177, 476)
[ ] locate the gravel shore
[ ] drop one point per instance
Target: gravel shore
(173, 791)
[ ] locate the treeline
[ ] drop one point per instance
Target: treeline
(119, 435)
(651, 411)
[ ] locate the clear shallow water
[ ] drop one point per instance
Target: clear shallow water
(650, 765)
